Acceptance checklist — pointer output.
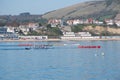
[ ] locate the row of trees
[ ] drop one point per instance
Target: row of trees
(50, 31)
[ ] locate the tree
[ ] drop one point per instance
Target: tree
(64, 23)
(2, 24)
(21, 32)
(108, 2)
(48, 26)
(54, 31)
(42, 21)
(77, 28)
(33, 33)
(40, 24)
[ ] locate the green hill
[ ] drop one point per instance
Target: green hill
(94, 9)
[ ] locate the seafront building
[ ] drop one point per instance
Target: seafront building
(7, 33)
(78, 36)
(33, 37)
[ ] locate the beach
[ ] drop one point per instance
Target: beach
(44, 40)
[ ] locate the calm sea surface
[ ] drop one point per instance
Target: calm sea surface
(62, 62)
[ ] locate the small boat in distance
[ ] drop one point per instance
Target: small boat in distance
(25, 44)
(42, 46)
(27, 48)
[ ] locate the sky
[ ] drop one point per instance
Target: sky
(15, 7)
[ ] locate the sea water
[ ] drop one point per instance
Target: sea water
(65, 61)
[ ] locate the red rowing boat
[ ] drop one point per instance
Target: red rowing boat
(89, 46)
(25, 44)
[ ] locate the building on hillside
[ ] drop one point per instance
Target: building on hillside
(76, 21)
(55, 22)
(109, 22)
(97, 22)
(69, 22)
(24, 28)
(27, 27)
(86, 21)
(90, 21)
(117, 22)
(33, 26)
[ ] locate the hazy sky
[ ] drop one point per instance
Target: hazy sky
(14, 7)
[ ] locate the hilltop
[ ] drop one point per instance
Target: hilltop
(21, 18)
(94, 9)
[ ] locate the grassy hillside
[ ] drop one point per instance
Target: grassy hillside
(95, 9)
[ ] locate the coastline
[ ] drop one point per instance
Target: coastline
(52, 40)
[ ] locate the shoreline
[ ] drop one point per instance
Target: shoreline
(52, 40)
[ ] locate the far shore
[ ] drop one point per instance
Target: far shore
(52, 40)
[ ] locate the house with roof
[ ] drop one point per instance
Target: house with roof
(55, 22)
(109, 22)
(117, 22)
(33, 26)
(69, 22)
(24, 28)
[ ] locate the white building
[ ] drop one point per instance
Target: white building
(109, 22)
(33, 37)
(97, 22)
(85, 34)
(10, 29)
(69, 34)
(77, 36)
(117, 22)
(24, 28)
(8, 33)
(70, 22)
(34, 26)
(76, 21)
(55, 22)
